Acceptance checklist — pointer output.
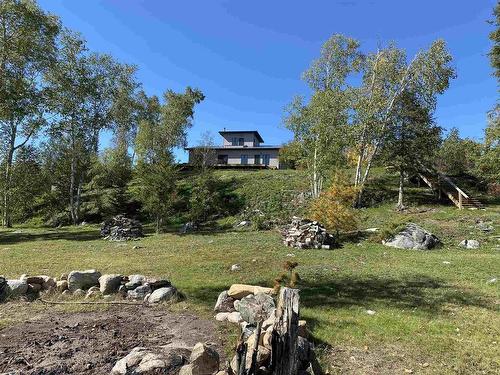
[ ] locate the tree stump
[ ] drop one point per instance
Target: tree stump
(285, 333)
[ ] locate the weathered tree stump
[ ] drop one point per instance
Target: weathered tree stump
(285, 333)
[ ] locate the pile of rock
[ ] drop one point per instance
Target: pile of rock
(246, 305)
(121, 228)
(307, 234)
(90, 284)
(169, 359)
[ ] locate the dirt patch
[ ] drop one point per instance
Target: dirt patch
(91, 342)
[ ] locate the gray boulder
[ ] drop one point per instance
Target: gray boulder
(256, 307)
(145, 361)
(413, 237)
(16, 288)
(83, 279)
(109, 284)
(224, 303)
(139, 292)
(162, 295)
(469, 244)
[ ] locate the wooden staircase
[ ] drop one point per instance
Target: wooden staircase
(442, 184)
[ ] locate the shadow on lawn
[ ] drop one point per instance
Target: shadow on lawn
(425, 293)
(10, 238)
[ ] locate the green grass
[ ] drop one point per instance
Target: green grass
(431, 317)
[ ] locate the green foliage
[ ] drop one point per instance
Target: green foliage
(458, 156)
(495, 38)
(206, 198)
(488, 165)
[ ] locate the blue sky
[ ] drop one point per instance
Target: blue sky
(247, 56)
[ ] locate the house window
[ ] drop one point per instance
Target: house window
(241, 141)
(257, 159)
(234, 141)
(265, 159)
(244, 159)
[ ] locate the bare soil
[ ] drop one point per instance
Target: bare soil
(92, 342)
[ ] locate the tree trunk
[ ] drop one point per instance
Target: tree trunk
(6, 220)
(285, 334)
(72, 189)
(400, 204)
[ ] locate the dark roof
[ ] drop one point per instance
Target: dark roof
(255, 132)
(265, 147)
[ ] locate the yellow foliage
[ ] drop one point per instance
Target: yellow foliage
(334, 207)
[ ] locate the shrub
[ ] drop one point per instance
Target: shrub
(334, 207)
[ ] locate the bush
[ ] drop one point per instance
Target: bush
(334, 207)
(206, 198)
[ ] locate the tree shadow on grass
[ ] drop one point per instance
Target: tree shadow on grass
(11, 238)
(428, 294)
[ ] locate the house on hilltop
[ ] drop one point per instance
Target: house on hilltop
(239, 148)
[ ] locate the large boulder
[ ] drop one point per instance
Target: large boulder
(83, 279)
(162, 295)
(238, 291)
(256, 307)
(16, 288)
(413, 237)
(204, 360)
(144, 361)
(109, 284)
(134, 281)
(224, 303)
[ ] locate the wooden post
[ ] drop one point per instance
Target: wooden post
(285, 333)
(460, 201)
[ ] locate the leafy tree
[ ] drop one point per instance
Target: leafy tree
(27, 49)
(206, 197)
(458, 156)
(292, 155)
(82, 87)
(488, 165)
(334, 207)
(413, 140)
(162, 128)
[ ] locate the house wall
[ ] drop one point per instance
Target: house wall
(249, 139)
(234, 156)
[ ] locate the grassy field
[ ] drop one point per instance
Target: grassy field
(435, 312)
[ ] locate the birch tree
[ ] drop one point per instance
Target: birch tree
(27, 49)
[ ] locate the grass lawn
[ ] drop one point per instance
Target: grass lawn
(435, 311)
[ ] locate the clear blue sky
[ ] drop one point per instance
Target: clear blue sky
(247, 56)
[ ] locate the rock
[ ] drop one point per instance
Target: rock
(270, 320)
(49, 283)
(222, 316)
(157, 284)
(93, 292)
(267, 337)
(16, 288)
(33, 279)
(109, 284)
(34, 288)
(307, 234)
(469, 244)
(188, 227)
(303, 329)
(64, 276)
(370, 312)
(413, 237)
(263, 355)
(235, 267)
(244, 223)
(234, 317)
(492, 281)
(224, 303)
(238, 291)
(79, 293)
(62, 285)
(204, 360)
(122, 291)
(139, 292)
(66, 292)
(484, 227)
(236, 304)
(256, 307)
(162, 295)
(144, 361)
(83, 279)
